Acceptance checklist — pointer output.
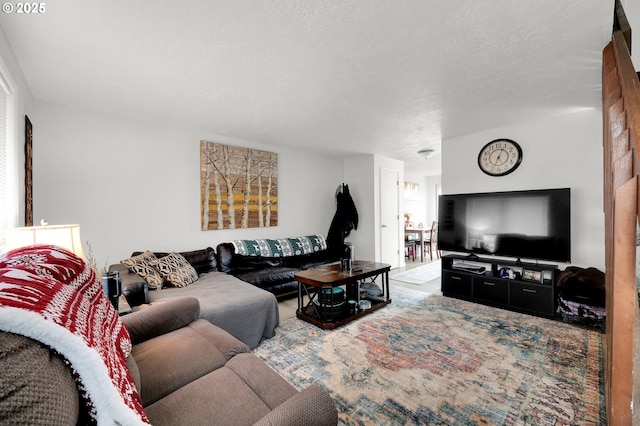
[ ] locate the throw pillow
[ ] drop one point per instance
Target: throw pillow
(142, 265)
(176, 270)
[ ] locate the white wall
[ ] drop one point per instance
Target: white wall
(135, 186)
(362, 173)
(358, 174)
(561, 151)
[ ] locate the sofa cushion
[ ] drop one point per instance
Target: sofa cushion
(135, 372)
(256, 262)
(218, 398)
(265, 382)
(311, 406)
(142, 264)
(165, 317)
(274, 274)
(231, 262)
(242, 309)
(240, 393)
(202, 260)
(268, 277)
(176, 270)
(171, 361)
(308, 261)
(225, 252)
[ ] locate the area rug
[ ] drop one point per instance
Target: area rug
(419, 275)
(432, 360)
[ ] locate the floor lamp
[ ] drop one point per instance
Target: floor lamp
(67, 237)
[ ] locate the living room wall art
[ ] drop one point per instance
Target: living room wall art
(28, 172)
(238, 187)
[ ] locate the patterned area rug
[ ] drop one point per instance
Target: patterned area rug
(419, 275)
(431, 360)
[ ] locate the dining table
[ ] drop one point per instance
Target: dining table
(419, 232)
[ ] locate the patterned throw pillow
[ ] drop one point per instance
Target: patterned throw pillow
(142, 265)
(176, 270)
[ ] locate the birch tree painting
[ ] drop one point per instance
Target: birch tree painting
(238, 187)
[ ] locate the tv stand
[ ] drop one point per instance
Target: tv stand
(510, 284)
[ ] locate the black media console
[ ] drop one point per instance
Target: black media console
(519, 286)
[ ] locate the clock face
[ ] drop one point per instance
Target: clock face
(500, 157)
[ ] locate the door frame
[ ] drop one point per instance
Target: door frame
(395, 172)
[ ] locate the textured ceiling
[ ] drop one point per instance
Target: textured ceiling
(359, 76)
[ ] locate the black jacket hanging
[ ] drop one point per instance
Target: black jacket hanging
(344, 220)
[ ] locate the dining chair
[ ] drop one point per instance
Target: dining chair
(410, 246)
(431, 241)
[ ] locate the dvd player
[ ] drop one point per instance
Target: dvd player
(469, 268)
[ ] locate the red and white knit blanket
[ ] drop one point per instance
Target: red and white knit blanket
(51, 295)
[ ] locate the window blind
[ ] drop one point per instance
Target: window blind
(4, 161)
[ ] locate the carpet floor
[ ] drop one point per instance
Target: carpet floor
(432, 360)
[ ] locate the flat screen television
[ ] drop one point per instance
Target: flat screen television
(532, 224)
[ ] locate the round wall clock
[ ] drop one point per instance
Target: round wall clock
(500, 157)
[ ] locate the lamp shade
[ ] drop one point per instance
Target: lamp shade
(65, 236)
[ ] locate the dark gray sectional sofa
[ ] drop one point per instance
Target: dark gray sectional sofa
(224, 299)
(272, 264)
(241, 276)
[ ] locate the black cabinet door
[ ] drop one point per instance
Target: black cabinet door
(491, 290)
(456, 284)
(529, 297)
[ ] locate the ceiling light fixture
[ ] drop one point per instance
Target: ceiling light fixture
(426, 153)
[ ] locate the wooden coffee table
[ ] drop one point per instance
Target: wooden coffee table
(327, 291)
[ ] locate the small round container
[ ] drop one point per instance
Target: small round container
(365, 304)
(352, 306)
